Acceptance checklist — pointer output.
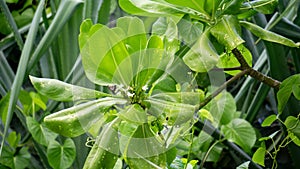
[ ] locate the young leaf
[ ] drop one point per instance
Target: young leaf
(268, 35)
(288, 86)
(269, 120)
(40, 132)
(259, 156)
(61, 91)
(240, 132)
(228, 60)
(227, 31)
(105, 150)
(202, 56)
(78, 119)
(293, 125)
(61, 156)
(205, 114)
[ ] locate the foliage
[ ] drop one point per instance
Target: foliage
(149, 91)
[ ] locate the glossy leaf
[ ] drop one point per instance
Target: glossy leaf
(61, 91)
(293, 125)
(197, 5)
(191, 98)
(133, 137)
(149, 8)
(232, 6)
(15, 160)
(240, 132)
(268, 35)
(227, 31)
(205, 115)
(287, 87)
(40, 132)
(134, 114)
(259, 156)
(202, 56)
(262, 6)
(78, 119)
(222, 108)
(228, 60)
(189, 31)
(245, 165)
(13, 139)
(269, 120)
(4, 107)
(61, 156)
(126, 58)
(105, 150)
(176, 113)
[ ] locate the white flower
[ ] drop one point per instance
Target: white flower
(145, 87)
(130, 94)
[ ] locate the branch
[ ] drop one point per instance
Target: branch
(254, 73)
(222, 87)
(227, 69)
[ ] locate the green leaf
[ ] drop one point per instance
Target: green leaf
(40, 132)
(21, 70)
(122, 60)
(134, 114)
(222, 108)
(288, 86)
(293, 125)
(191, 98)
(240, 132)
(268, 35)
(15, 160)
(61, 91)
(13, 139)
(245, 165)
(295, 139)
(227, 31)
(269, 120)
(228, 60)
(176, 113)
(78, 119)
(259, 156)
(190, 31)
(205, 114)
(149, 8)
(261, 6)
(197, 5)
(133, 137)
(61, 156)
(232, 6)
(4, 107)
(202, 56)
(104, 153)
(37, 100)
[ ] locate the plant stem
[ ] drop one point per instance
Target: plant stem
(254, 73)
(222, 87)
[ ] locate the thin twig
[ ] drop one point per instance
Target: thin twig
(227, 69)
(222, 87)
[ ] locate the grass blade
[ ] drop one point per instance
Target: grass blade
(63, 14)
(16, 86)
(11, 23)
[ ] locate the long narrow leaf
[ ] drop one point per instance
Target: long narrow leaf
(12, 23)
(62, 16)
(16, 86)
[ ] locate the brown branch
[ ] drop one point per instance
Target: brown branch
(222, 87)
(254, 73)
(227, 69)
